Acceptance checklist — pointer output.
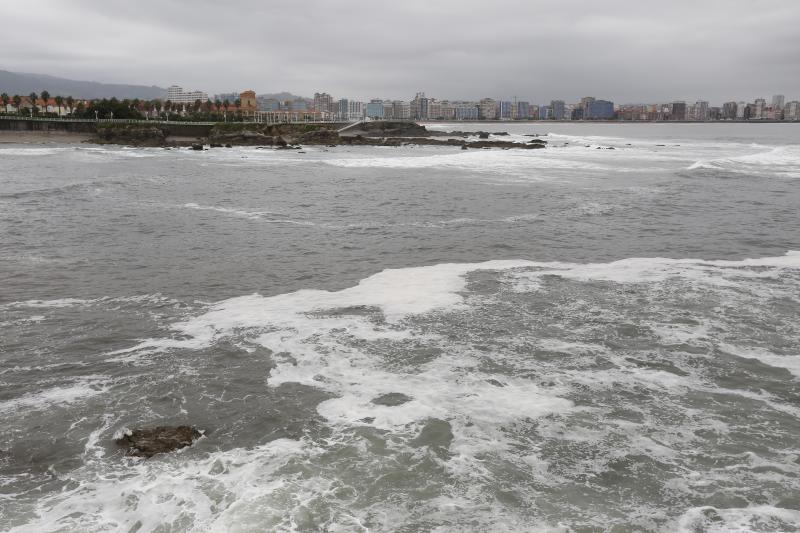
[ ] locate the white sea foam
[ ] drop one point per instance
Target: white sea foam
(522, 163)
(32, 151)
(79, 390)
(789, 362)
(190, 493)
(739, 520)
(323, 338)
(228, 210)
(776, 161)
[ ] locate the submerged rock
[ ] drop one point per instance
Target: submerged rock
(392, 399)
(198, 147)
(161, 439)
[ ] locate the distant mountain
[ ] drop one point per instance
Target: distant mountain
(282, 96)
(22, 84)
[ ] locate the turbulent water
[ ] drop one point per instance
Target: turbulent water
(572, 339)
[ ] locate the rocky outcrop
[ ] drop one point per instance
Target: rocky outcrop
(161, 439)
(133, 135)
(293, 136)
(392, 129)
(392, 399)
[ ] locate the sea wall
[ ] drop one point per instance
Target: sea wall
(65, 126)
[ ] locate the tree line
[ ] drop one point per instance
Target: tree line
(123, 109)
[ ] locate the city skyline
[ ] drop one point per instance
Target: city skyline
(686, 51)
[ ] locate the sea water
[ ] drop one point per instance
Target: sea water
(578, 338)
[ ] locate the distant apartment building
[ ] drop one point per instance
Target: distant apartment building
(523, 110)
(434, 109)
(350, 110)
(323, 102)
(558, 110)
(599, 110)
(778, 101)
(505, 110)
(741, 110)
(248, 103)
(177, 95)
(487, 109)
(678, 111)
(700, 111)
(729, 110)
(773, 113)
(465, 111)
(447, 110)
(633, 112)
(791, 111)
(401, 110)
(375, 109)
(419, 106)
(759, 109)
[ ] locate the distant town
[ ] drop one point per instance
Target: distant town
(179, 104)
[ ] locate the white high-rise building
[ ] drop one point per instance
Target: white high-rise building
(792, 111)
(778, 101)
(741, 107)
(701, 110)
(177, 95)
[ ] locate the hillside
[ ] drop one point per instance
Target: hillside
(22, 83)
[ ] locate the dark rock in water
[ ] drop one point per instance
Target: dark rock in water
(383, 128)
(392, 399)
(464, 147)
(198, 147)
(610, 148)
(494, 382)
(131, 134)
(228, 146)
(161, 439)
(483, 134)
(215, 145)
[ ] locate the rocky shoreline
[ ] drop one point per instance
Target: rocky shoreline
(294, 136)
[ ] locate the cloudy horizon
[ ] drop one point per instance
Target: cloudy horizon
(622, 50)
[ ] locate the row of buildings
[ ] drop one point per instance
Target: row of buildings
(324, 107)
(422, 107)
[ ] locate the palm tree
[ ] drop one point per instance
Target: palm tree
(45, 97)
(4, 97)
(33, 98)
(17, 99)
(59, 101)
(70, 103)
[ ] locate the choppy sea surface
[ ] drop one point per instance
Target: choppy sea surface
(414, 339)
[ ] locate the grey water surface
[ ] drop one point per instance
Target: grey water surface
(574, 339)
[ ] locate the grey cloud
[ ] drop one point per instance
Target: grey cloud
(626, 50)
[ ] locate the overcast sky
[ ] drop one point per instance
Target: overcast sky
(624, 50)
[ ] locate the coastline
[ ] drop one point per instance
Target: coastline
(281, 136)
(44, 137)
